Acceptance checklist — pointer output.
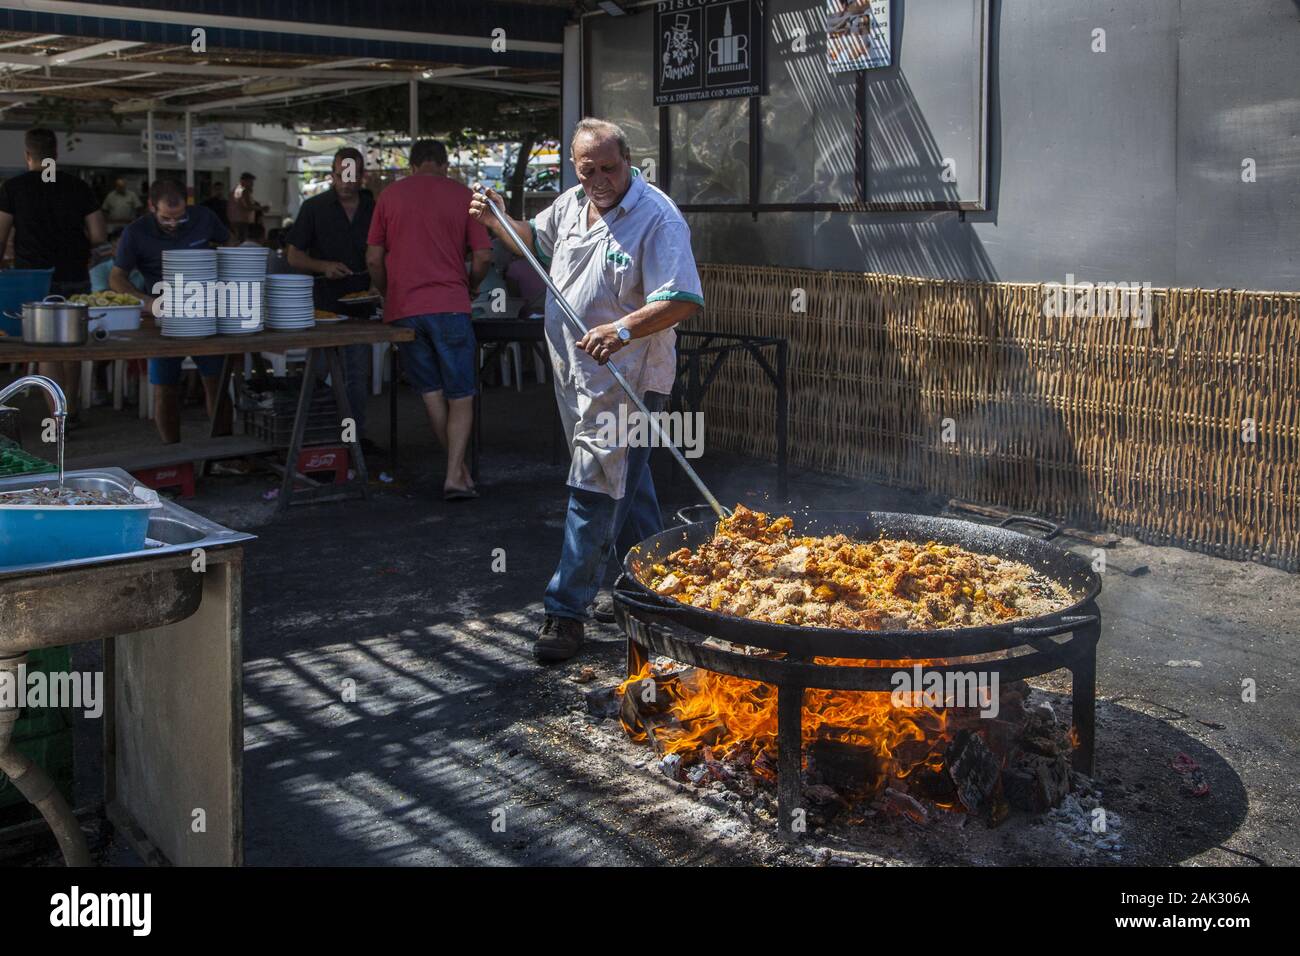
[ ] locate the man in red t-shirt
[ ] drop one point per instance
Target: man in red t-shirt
(419, 235)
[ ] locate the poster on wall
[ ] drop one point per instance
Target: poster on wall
(857, 35)
(708, 50)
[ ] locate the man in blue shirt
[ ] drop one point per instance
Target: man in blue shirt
(169, 224)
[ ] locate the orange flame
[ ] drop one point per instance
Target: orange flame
(724, 713)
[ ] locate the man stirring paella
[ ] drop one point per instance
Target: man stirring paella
(620, 252)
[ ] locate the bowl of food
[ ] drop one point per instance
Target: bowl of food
(46, 523)
(110, 311)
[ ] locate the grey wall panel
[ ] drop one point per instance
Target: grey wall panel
(1239, 97)
(923, 113)
(919, 244)
(1085, 142)
(783, 239)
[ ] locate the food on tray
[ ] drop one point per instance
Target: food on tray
(754, 567)
(102, 299)
(323, 314)
(49, 497)
(354, 296)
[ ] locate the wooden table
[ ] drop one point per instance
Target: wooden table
(322, 344)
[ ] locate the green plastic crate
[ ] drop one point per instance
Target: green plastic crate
(15, 461)
(44, 734)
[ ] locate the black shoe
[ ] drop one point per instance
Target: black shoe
(558, 639)
(602, 609)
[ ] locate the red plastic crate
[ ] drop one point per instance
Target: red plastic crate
(319, 458)
(168, 476)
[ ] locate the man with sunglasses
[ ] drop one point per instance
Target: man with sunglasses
(169, 224)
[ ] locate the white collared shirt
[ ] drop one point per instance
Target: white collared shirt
(638, 252)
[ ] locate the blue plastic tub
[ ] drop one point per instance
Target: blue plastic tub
(42, 534)
(16, 287)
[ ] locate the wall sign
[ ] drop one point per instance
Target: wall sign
(708, 49)
(209, 142)
(166, 142)
(857, 35)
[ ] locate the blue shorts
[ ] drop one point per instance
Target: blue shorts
(444, 356)
(167, 371)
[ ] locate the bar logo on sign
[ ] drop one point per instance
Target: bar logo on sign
(708, 49)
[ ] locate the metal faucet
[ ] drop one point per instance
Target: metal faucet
(58, 401)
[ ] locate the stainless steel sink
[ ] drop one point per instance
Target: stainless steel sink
(45, 605)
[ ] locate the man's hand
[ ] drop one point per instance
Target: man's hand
(479, 211)
(601, 342)
(335, 270)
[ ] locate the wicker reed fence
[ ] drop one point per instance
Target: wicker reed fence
(969, 389)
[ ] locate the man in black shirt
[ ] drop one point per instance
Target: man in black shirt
(329, 239)
(56, 220)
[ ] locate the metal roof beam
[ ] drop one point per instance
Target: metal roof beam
(28, 41)
(545, 90)
(289, 94)
(195, 69)
(189, 19)
(89, 52)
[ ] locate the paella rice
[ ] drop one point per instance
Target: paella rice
(755, 567)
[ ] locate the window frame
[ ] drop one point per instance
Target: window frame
(860, 184)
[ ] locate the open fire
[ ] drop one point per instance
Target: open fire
(762, 653)
(861, 752)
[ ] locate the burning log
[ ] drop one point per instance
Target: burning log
(907, 805)
(844, 765)
(977, 775)
(933, 783)
(646, 708)
(1035, 783)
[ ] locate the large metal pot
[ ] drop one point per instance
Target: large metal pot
(55, 321)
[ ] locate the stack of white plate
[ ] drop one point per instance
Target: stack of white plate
(181, 268)
(289, 302)
(245, 265)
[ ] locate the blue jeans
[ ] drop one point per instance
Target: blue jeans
(599, 530)
(356, 367)
(444, 356)
(167, 371)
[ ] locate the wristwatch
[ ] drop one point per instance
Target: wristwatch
(624, 333)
